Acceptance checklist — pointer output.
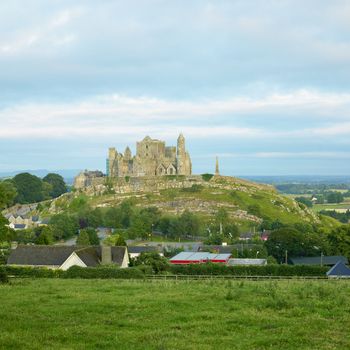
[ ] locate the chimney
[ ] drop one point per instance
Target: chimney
(106, 255)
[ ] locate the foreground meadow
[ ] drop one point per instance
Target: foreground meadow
(115, 314)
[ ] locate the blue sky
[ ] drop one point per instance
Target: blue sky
(265, 85)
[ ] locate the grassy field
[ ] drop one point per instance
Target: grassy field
(111, 314)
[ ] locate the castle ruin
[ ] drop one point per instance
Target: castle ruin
(153, 158)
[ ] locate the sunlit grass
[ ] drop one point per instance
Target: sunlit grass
(114, 314)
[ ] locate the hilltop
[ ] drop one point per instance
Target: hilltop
(247, 203)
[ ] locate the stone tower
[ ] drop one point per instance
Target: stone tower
(181, 155)
(217, 171)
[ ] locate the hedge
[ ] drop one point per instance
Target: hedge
(267, 270)
(39, 272)
(103, 272)
(3, 275)
(140, 272)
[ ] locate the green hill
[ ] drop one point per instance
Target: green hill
(247, 203)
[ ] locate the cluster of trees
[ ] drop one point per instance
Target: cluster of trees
(332, 197)
(308, 240)
(342, 217)
(26, 188)
(311, 189)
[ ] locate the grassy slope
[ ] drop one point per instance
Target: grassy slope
(106, 314)
(239, 195)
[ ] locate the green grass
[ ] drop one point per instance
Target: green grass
(110, 314)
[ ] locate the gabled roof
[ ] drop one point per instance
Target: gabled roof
(316, 260)
(40, 255)
(198, 257)
(43, 255)
(339, 269)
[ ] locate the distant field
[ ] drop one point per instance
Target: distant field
(107, 314)
(341, 207)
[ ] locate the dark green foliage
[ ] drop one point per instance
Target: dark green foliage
(334, 197)
(3, 275)
(64, 226)
(57, 183)
(207, 177)
(342, 217)
(296, 243)
(304, 201)
(29, 188)
(267, 270)
(143, 222)
(6, 234)
(127, 178)
(7, 193)
(339, 240)
(157, 262)
(115, 240)
(88, 236)
(44, 235)
(103, 272)
(39, 272)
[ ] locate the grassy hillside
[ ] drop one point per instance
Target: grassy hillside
(107, 314)
(247, 203)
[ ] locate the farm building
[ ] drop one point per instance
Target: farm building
(319, 260)
(63, 257)
(184, 258)
(245, 262)
(339, 270)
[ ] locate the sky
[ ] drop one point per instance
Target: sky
(262, 84)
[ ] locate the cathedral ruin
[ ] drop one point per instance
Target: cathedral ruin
(153, 158)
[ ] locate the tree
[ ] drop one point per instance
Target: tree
(7, 193)
(83, 238)
(115, 240)
(63, 226)
(189, 224)
(113, 217)
(157, 262)
(6, 234)
(45, 236)
(334, 197)
(29, 188)
(57, 183)
(304, 201)
(88, 236)
(294, 242)
(339, 240)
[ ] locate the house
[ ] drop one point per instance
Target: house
(185, 258)
(63, 257)
(339, 270)
(245, 262)
(135, 251)
(319, 260)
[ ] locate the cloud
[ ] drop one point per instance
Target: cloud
(120, 114)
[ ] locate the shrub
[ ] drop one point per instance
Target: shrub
(207, 177)
(103, 273)
(3, 275)
(267, 270)
(36, 272)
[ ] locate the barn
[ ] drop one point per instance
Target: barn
(185, 258)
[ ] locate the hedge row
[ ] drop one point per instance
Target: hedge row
(103, 272)
(267, 270)
(141, 272)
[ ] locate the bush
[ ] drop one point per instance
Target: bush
(267, 270)
(103, 273)
(36, 272)
(207, 177)
(3, 275)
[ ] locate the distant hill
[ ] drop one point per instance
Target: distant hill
(67, 174)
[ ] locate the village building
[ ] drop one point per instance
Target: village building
(64, 257)
(185, 258)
